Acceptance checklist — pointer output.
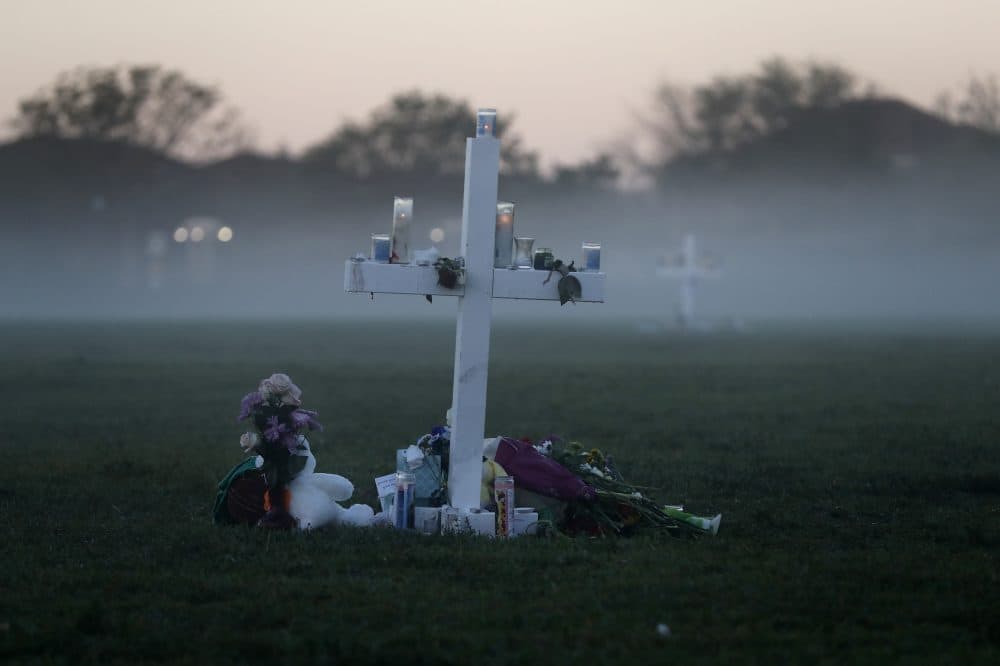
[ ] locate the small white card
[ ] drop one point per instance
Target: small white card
(385, 485)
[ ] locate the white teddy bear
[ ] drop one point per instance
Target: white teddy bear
(315, 497)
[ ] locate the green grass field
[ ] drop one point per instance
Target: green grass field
(857, 471)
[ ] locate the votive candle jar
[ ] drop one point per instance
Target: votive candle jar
(522, 251)
(544, 259)
(592, 257)
(380, 248)
(486, 121)
(504, 239)
(402, 219)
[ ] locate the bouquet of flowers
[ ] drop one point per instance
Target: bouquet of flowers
(275, 412)
(594, 497)
(437, 442)
(619, 507)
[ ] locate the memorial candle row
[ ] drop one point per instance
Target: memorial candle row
(510, 251)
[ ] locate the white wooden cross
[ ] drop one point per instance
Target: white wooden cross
(483, 283)
(689, 267)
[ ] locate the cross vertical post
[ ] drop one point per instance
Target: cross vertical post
(688, 280)
(475, 310)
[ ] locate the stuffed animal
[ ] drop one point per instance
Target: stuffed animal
(315, 498)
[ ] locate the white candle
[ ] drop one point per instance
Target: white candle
(402, 215)
(504, 239)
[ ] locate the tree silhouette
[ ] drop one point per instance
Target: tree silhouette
(600, 172)
(723, 113)
(143, 105)
(981, 106)
(828, 85)
(416, 135)
(775, 92)
(731, 110)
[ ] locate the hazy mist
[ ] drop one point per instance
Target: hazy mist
(785, 251)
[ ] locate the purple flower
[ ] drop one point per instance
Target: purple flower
(250, 402)
(302, 418)
(274, 429)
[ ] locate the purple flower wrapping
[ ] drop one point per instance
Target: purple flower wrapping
(533, 471)
(250, 402)
(274, 429)
(304, 418)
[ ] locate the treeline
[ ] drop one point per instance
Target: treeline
(418, 137)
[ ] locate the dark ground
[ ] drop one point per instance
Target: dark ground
(857, 471)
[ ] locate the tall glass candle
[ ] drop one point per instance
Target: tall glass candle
(592, 257)
(402, 218)
(380, 248)
(503, 493)
(504, 240)
(486, 121)
(402, 503)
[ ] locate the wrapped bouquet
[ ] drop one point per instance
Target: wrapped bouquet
(279, 422)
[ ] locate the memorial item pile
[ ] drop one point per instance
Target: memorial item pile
(569, 489)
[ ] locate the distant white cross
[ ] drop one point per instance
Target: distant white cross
(483, 283)
(688, 267)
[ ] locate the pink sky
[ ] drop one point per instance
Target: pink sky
(572, 70)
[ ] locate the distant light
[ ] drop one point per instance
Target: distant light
(197, 235)
(437, 234)
(180, 234)
(225, 234)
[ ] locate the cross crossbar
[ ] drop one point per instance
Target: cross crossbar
(365, 277)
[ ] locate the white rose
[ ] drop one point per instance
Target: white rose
(249, 442)
(280, 386)
(265, 390)
(280, 383)
(293, 396)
